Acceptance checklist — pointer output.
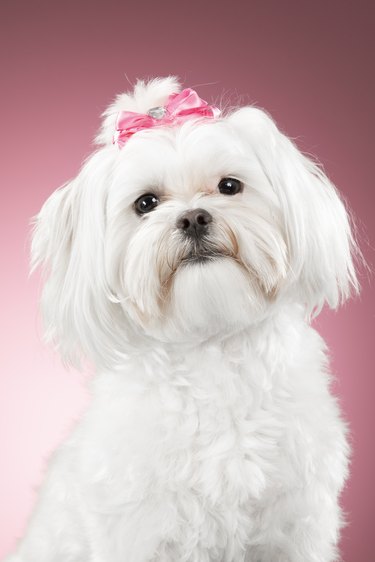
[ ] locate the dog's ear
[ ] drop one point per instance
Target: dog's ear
(53, 231)
(68, 241)
(144, 96)
(51, 248)
(317, 226)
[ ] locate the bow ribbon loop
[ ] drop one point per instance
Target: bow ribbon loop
(179, 108)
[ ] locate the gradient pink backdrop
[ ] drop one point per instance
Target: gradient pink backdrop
(307, 63)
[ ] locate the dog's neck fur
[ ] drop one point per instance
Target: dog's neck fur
(275, 343)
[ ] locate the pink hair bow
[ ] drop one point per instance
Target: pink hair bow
(179, 108)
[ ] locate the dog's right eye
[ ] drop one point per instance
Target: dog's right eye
(146, 203)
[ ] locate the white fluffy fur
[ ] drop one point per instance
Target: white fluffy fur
(212, 435)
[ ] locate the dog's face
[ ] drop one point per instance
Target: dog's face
(188, 232)
(195, 240)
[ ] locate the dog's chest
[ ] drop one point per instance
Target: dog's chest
(220, 433)
(221, 444)
(200, 444)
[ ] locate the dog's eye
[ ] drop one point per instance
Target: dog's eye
(146, 203)
(230, 186)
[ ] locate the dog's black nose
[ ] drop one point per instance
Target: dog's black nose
(195, 222)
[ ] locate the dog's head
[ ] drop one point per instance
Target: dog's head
(188, 231)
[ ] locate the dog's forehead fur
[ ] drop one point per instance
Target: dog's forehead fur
(183, 161)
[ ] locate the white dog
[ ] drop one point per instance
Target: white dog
(184, 262)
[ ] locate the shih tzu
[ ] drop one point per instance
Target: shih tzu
(185, 261)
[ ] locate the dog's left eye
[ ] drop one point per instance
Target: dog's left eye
(146, 203)
(230, 186)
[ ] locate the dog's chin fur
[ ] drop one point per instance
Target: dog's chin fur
(207, 298)
(212, 435)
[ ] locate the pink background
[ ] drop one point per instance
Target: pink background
(307, 63)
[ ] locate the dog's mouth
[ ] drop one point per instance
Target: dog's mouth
(202, 256)
(204, 250)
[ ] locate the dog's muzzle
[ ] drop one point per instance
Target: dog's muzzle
(195, 226)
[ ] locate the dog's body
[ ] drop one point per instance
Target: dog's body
(212, 435)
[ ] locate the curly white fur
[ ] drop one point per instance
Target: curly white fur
(212, 435)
